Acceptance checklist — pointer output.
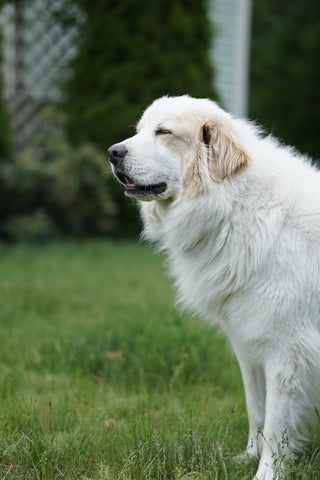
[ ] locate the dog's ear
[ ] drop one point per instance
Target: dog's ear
(195, 170)
(218, 154)
(226, 154)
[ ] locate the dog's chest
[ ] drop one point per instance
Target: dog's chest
(205, 282)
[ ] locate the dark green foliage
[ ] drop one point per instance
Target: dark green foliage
(131, 53)
(6, 142)
(56, 189)
(5, 130)
(285, 94)
(5, 134)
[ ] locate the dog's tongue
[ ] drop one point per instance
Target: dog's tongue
(130, 183)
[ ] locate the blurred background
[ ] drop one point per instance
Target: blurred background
(77, 74)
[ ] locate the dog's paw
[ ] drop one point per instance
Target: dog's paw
(245, 457)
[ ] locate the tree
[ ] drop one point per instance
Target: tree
(132, 53)
(5, 131)
(285, 94)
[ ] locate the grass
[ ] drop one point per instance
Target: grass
(102, 378)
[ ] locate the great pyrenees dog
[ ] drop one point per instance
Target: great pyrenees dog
(239, 217)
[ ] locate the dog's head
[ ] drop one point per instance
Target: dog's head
(183, 145)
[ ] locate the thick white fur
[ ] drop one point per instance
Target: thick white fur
(243, 240)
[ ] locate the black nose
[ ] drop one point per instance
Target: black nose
(116, 153)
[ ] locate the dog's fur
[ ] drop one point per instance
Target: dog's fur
(239, 216)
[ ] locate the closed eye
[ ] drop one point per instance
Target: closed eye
(163, 131)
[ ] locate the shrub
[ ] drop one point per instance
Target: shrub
(54, 188)
(30, 227)
(285, 72)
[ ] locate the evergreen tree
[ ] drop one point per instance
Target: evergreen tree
(285, 93)
(131, 53)
(5, 131)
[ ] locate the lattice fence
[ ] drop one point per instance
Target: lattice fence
(40, 39)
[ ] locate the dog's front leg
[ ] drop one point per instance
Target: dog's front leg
(280, 425)
(255, 390)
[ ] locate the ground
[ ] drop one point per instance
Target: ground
(102, 377)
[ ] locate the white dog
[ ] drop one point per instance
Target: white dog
(239, 216)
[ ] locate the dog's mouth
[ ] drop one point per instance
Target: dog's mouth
(134, 189)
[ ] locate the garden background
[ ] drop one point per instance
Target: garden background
(55, 180)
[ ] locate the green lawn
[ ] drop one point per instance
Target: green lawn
(101, 377)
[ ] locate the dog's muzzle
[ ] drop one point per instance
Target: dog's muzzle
(116, 154)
